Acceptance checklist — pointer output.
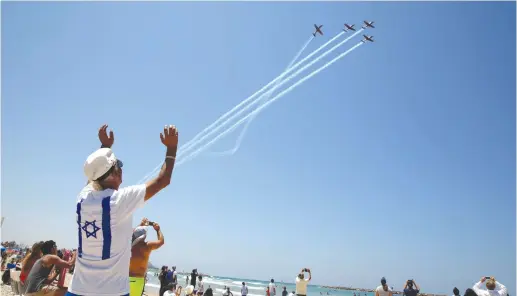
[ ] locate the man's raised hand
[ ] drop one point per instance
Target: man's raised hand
(169, 136)
(106, 141)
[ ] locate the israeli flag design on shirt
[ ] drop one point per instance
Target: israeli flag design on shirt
(104, 229)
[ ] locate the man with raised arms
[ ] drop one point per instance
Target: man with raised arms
(105, 215)
(302, 282)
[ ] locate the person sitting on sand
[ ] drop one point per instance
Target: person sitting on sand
(301, 282)
(494, 288)
(41, 276)
(140, 252)
(103, 257)
(383, 289)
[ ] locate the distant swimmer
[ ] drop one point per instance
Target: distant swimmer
(186, 281)
(302, 282)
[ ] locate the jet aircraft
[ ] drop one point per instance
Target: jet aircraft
(348, 28)
(368, 24)
(367, 38)
(318, 30)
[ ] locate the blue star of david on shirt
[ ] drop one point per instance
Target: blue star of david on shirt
(90, 233)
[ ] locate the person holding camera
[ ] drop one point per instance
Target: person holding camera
(301, 282)
(140, 252)
(493, 287)
(411, 288)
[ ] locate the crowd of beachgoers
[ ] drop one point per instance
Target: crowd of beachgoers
(18, 263)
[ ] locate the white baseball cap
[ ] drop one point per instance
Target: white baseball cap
(99, 163)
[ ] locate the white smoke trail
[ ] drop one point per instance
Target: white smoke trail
(181, 153)
(262, 98)
(196, 139)
(234, 126)
(189, 143)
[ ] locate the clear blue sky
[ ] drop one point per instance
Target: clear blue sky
(398, 161)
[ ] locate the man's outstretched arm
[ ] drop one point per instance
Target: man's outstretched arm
(170, 140)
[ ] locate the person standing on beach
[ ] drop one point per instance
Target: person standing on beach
(272, 288)
(105, 214)
(193, 277)
(383, 289)
(244, 289)
(200, 286)
(301, 282)
(284, 292)
(163, 278)
(409, 290)
(140, 252)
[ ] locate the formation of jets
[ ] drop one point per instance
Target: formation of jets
(347, 28)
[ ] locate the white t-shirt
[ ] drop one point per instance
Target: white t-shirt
(169, 293)
(244, 290)
(104, 230)
(381, 291)
(272, 289)
(301, 286)
(200, 287)
(500, 290)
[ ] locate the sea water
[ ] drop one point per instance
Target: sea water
(255, 287)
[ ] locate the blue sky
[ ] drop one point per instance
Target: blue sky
(397, 161)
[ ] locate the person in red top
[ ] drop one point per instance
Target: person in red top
(29, 261)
